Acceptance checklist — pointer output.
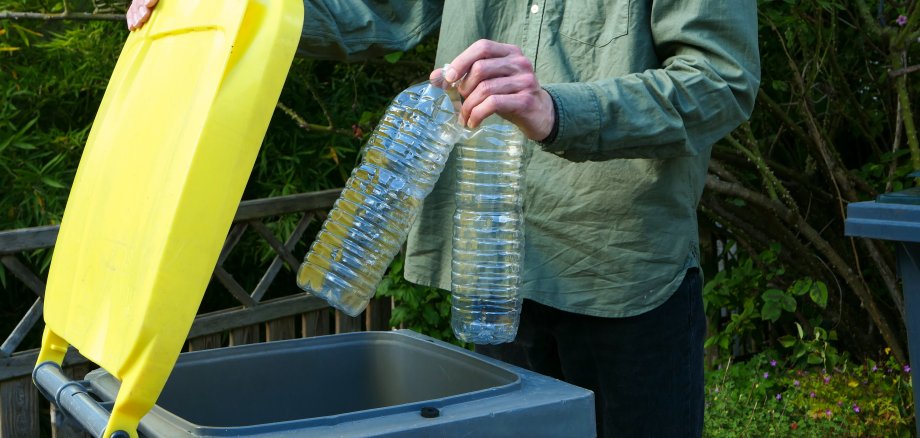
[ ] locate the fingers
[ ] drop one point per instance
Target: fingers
(482, 49)
(484, 59)
(508, 75)
(135, 14)
(490, 88)
(130, 17)
(139, 12)
(486, 69)
(486, 108)
(508, 105)
(437, 78)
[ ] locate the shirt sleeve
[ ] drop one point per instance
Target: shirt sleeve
(348, 30)
(705, 88)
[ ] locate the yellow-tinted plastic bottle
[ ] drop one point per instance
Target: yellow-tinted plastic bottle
(370, 221)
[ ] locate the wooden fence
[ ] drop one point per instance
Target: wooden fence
(24, 413)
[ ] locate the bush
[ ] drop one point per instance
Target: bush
(769, 397)
(834, 123)
(752, 306)
(422, 309)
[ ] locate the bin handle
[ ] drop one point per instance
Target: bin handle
(73, 399)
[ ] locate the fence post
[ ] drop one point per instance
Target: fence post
(280, 329)
(347, 324)
(244, 335)
(377, 315)
(315, 323)
(18, 408)
(206, 342)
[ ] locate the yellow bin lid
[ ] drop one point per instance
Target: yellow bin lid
(159, 182)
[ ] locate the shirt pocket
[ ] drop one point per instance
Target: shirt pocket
(595, 23)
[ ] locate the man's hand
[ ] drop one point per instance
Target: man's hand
(500, 80)
(139, 12)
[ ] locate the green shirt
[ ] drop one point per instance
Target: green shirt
(642, 88)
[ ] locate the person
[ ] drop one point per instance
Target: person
(622, 101)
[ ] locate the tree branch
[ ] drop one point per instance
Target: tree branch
(903, 71)
(822, 246)
(773, 185)
(782, 114)
(741, 229)
(716, 166)
(884, 269)
(910, 129)
(895, 145)
(307, 126)
(744, 228)
(67, 15)
(797, 179)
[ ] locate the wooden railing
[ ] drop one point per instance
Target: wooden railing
(288, 315)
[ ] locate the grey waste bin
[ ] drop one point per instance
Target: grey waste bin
(896, 217)
(388, 384)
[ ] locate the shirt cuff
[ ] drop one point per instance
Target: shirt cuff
(555, 129)
(578, 119)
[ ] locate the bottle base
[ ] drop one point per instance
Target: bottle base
(348, 303)
(480, 333)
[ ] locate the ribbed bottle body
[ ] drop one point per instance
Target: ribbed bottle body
(369, 222)
(488, 234)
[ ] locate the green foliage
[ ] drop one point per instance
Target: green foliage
(775, 301)
(53, 74)
(813, 350)
(891, 168)
(765, 306)
(419, 308)
(766, 396)
(835, 123)
(51, 79)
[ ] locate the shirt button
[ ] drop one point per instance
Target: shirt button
(534, 8)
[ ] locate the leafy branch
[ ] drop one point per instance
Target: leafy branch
(899, 38)
(813, 236)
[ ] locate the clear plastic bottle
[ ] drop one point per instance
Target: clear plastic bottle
(369, 222)
(488, 239)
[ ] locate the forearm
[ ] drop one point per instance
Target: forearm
(705, 88)
(350, 30)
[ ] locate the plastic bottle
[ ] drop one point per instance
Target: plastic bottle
(488, 239)
(369, 222)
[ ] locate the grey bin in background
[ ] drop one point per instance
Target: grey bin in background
(393, 384)
(896, 217)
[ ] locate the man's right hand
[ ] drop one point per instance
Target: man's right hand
(139, 12)
(499, 79)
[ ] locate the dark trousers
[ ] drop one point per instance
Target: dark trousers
(646, 371)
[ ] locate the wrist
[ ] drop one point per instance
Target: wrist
(554, 113)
